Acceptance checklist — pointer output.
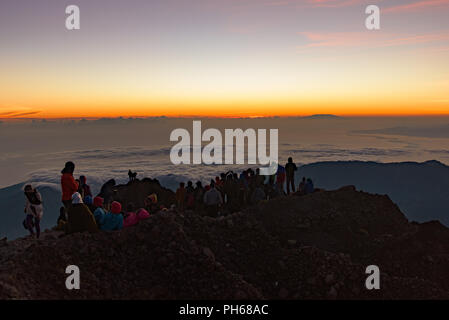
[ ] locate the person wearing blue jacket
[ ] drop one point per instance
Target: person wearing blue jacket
(113, 220)
(309, 186)
(99, 211)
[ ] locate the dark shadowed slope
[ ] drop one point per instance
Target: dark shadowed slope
(311, 247)
(421, 190)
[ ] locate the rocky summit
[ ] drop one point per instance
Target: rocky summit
(315, 246)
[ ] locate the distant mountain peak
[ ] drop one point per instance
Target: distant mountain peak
(322, 116)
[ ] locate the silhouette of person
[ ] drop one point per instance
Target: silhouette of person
(290, 169)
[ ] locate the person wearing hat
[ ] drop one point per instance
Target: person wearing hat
(130, 217)
(113, 220)
(99, 212)
(68, 184)
(89, 202)
(151, 204)
(79, 217)
(142, 214)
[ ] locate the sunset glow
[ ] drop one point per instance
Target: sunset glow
(224, 58)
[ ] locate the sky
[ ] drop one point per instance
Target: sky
(225, 58)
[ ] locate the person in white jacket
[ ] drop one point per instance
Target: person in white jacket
(213, 200)
(33, 209)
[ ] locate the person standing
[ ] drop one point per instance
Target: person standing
(33, 209)
(84, 188)
(213, 200)
(180, 197)
(68, 184)
(290, 169)
(190, 196)
(280, 179)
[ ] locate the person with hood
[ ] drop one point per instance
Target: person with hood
(130, 217)
(309, 186)
(79, 217)
(89, 202)
(290, 169)
(151, 204)
(84, 188)
(107, 192)
(33, 209)
(142, 214)
(68, 184)
(99, 211)
(113, 220)
(213, 200)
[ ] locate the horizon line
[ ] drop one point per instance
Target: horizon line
(135, 117)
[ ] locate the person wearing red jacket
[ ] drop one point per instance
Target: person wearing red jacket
(68, 184)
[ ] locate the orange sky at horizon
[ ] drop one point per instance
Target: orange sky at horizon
(224, 59)
(228, 112)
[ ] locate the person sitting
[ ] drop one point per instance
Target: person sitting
(62, 220)
(79, 217)
(33, 209)
(142, 214)
(180, 197)
(89, 202)
(113, 220)
(99, 211)
(130, 217)
(62, 215)
(107, 192)
(302, 186)
(213, 200)
(151, 204)
(309, 186)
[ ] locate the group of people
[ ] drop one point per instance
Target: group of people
(82, 213)
(231, 191)
(227, 193)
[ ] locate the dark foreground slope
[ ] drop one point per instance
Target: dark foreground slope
(315, 246)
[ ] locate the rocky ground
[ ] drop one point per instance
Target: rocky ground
(310, 247)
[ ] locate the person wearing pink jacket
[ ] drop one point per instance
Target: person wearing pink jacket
(130, 216)
(142, 214)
